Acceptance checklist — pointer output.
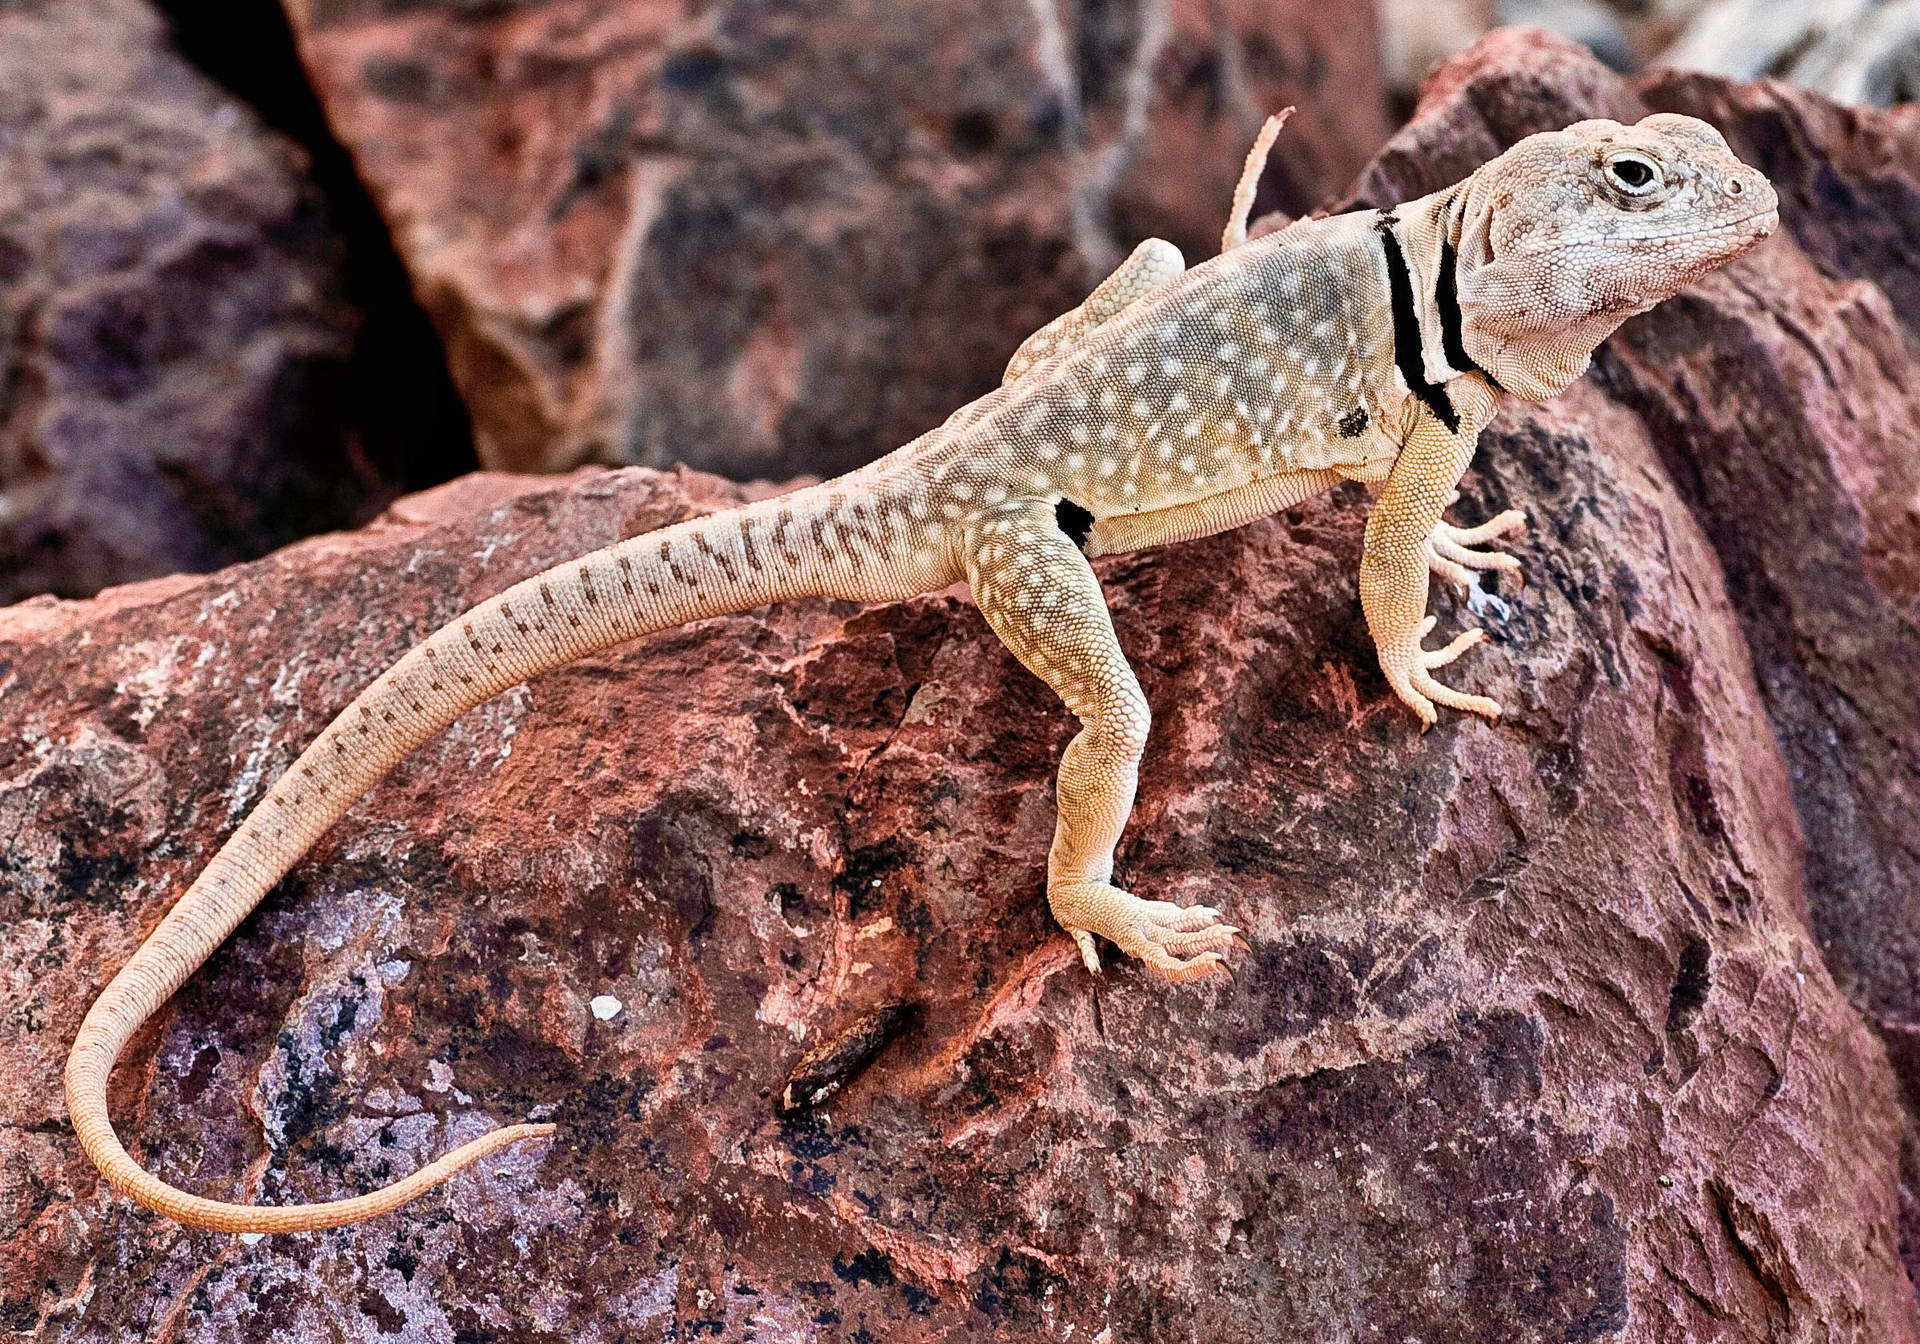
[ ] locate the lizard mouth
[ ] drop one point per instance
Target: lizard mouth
(1772, 218)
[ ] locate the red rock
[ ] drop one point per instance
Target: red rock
(1783, 397)
(1811, 507)
(173, 335)
(1504, 982)
(778, 239)
(1533, 1041)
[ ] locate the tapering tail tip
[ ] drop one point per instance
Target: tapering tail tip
(130, 1179)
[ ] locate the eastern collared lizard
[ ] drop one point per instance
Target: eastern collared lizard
(1170, 404)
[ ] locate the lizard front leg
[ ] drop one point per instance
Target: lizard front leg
(1040, 596)
(1394, 565)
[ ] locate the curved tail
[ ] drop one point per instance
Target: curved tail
(844, 538)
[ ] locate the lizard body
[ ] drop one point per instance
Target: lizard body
(1171, 404)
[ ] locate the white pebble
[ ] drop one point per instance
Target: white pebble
(605, 1006)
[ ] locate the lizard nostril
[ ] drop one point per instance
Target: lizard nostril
(1736, 187)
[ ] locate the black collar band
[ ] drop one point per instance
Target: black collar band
(1446, 297)
(1406, 330)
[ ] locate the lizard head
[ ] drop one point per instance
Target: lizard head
(1569, 233)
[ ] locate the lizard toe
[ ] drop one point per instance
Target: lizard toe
(1206, 966)
(1217, 938)
(1460, 643)
(1502, 523)
(1485, 707)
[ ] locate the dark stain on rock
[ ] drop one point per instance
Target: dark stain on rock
(1481, 1178)
(387, 1318)
(868, 871)
(670, 849)
(1692, 979)
(603, 1110)
(403, 1260)
(1398, 993)
(869, 1266)
(1294, 986)
(1013, 1292)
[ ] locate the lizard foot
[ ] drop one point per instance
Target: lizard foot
(1181, 942)
(1454, 556)
(1409, 671)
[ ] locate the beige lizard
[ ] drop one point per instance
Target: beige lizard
(1171, 404)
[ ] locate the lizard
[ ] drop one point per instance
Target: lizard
(1172, 403)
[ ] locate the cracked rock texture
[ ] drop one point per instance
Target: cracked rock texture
(173, 338)
(1533, 1042)
(768, 239)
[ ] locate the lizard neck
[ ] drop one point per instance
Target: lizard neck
(1430, 358)
(1427, 232)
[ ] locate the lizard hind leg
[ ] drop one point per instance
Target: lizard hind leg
(1040, 596)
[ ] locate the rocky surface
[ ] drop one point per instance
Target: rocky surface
(1783, 397)
(174, 340)
(1533, 1041)
(1826, 577)
(776, 239)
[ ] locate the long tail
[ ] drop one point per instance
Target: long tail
(844, 538)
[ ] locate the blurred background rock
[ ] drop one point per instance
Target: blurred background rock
(1855, 51)
(263, 269)
(207, 345)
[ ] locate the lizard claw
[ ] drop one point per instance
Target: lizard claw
(1089, 954)
(1181, 942)
(1453, 552)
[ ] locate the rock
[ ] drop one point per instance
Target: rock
(1416, 35)
(1220, 70)
(1782, 396)
(174, 342)
(1533, 1041)
(779, 239)
(1876, 61)
(1785, 406)
(1859, 51)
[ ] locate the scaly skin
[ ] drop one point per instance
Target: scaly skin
(1170, 404)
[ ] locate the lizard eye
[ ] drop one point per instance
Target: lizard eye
(1633, 174)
